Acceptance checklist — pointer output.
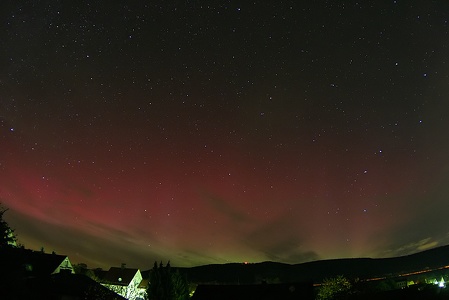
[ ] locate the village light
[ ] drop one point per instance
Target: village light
(442, 284)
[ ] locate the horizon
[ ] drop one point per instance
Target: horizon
(105, 267)
(218, 132)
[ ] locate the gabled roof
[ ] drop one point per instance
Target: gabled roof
(29, 263)
(119, 276)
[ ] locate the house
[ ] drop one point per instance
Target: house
(27, 274)
(125, 282)
(26, 263)
(404, 283)
(264, 291)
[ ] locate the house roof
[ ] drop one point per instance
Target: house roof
(59, 286)
(255, 291)
(119, 276)
(144, 283)
(28, 263)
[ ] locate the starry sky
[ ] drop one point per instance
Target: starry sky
(225, 131)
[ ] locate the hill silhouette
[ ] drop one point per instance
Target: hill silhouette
(317, 271)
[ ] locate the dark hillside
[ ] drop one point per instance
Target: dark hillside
(316, 271)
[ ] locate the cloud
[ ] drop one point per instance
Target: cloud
(95, 244)
(427, 246)
(192, 257)
(224, 208)
(300, 256)
(280, 240)
(413, 247)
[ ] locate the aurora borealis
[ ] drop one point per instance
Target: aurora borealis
(225, 131)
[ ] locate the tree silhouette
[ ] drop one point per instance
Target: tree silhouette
(167, 285)
(334, 288)
(7, 238)
(180, 286)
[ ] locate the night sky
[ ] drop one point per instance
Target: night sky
(225, 131)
